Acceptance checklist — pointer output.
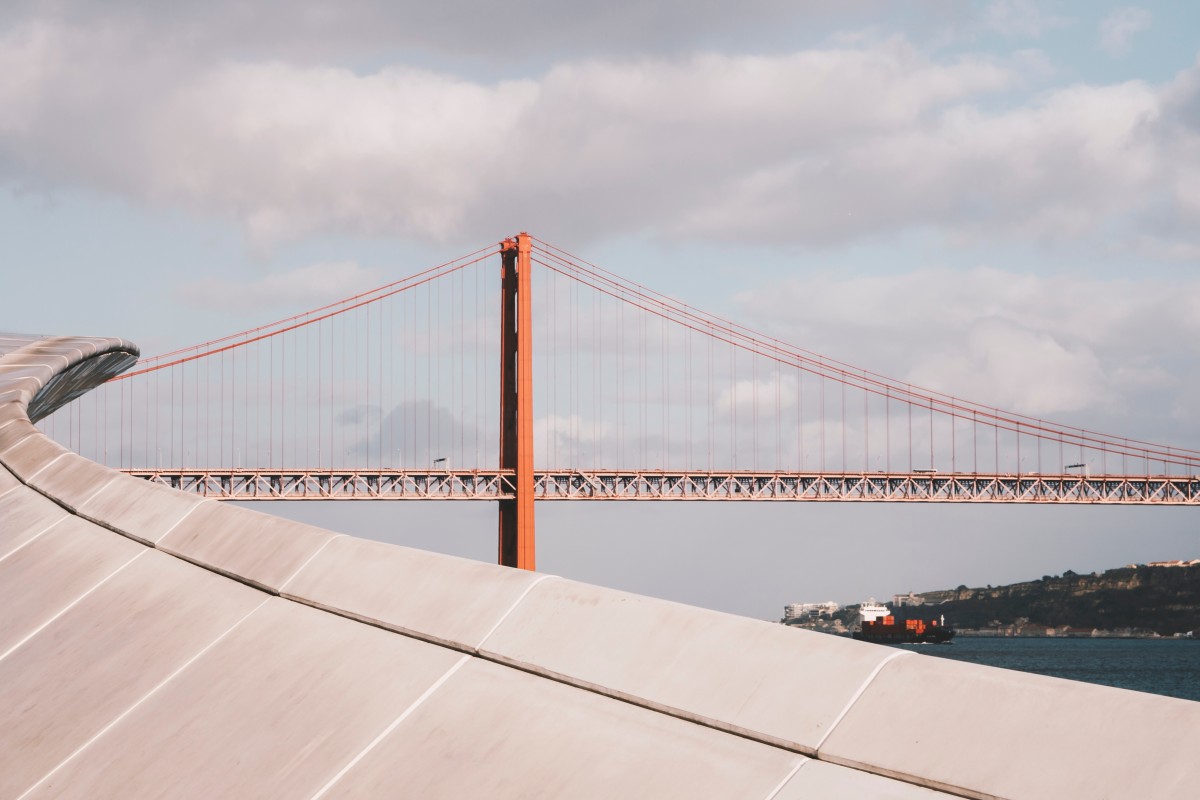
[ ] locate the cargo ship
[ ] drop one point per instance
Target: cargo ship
(878, 624)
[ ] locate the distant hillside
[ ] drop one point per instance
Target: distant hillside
(1165, 600)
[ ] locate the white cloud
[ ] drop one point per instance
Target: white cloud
(1057, 169)
(1118, 28)
(290, 150)
(744, 393)
(813, 147)
(1014, 367)
(295, 150)
(1068, 347)
(298, 288)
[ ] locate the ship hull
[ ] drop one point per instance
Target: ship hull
(896, 634)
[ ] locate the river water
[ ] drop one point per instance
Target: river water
(1160, 666)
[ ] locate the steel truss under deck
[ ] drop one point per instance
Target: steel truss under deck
(684, 485)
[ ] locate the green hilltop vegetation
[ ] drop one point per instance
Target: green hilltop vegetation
(1137, 599)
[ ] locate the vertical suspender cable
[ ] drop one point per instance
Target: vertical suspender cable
(887, 430)
(799, 419)
(866, 430)
(931, 433)
(908, 403)
(822, 422)
(842, 393)
(754, 406)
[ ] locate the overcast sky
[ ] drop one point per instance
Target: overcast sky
(997, 199)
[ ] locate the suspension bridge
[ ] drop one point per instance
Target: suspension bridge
(607, 390)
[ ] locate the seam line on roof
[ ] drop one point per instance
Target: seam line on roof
(35, 537)
(861, 689)
(786, 779)
(173, 526)
(45, 466)
(395, 723)
(511, 609)
(92, 496)
(141, 700)
(308, 561)
(96, 521)
(17, 444)
(69, 606)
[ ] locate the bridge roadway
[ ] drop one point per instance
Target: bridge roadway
(497, 484)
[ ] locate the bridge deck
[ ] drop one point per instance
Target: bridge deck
(919, 487)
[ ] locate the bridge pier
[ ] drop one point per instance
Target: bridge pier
(516, 544)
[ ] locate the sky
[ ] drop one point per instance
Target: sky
(998, 199)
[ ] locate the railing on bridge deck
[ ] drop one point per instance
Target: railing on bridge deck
(921, 487)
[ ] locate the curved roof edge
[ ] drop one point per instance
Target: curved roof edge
(282, 655)
(61, 368)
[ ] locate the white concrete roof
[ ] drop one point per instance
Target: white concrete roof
(156, 644)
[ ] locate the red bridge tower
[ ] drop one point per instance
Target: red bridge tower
(516, 403)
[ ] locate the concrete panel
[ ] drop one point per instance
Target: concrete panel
(23, 515)
(14, 431)
(39, 372)
(259, 548)
(105, 654)
(73, 347)
(11, 412)
(24, 385)
(138, 508)
(274, 709)
(56, 344)
(52, 571)
(444, 599)
(7, 481)
(72, 480)
(15, 341)
(76, 347)
(29, 357)
(10, 394)
(990, 732)
(30, 455)
(495, 732)
(818, 780)
(25, 378)
(41, 354)
(732, 672)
